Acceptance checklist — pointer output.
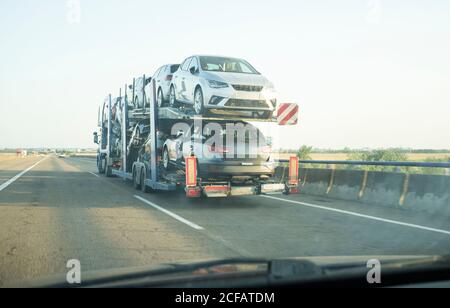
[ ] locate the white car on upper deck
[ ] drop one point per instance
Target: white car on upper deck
(222, 83)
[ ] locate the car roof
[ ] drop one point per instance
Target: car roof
(215, 56)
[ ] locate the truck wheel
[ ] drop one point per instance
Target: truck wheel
(144, 187)
(172, 98)
(160, 99)
(101, 162)
(136, 185)
(198, 102)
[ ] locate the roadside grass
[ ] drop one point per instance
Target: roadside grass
(7, 156)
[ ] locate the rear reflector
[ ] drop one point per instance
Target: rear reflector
(273, 188)
(216, 191)
(193, 192)
(294, 190)
(293, 171)
(216, 188)
(287, 114)
(191, 171)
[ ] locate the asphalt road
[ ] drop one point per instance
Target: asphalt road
(61, 209)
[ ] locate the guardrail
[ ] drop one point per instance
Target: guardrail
(373, 163)
(413, 191)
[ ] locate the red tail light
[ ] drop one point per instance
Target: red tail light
(265, 150)
(219, 150)
(169, 77)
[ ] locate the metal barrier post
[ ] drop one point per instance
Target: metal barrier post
(124, 130)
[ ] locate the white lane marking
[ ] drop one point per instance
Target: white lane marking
(9, 182)
(173, 215)
(361, 215)
(96, 175)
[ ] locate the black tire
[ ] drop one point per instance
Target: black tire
(144, 187)
(199, 103)
(101, 165)
(172, 98)
(166, 159)
(160, 99)
(136, 185)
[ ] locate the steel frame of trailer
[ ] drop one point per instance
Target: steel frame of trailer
(153, 180)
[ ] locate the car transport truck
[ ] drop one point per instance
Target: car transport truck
(210, 155)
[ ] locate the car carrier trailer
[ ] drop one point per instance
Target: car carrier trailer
(148, 175)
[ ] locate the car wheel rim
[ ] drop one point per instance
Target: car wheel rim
(166, 159)
(198, 102)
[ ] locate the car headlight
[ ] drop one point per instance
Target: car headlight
(217, 84)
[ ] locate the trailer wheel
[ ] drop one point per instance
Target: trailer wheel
(144, 187)
(136, 185)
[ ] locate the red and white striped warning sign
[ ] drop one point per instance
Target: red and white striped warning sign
(288, 114)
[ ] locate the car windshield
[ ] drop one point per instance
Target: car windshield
(241, 132)
(174, 68)
(226, 65)
(321, 133)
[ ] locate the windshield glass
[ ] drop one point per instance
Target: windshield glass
(321, 134)
(240, 132)
(174, 68)
(226, 65)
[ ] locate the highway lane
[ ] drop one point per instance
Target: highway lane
(62, 210)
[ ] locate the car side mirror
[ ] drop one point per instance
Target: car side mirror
(193, 70)
(95, 138)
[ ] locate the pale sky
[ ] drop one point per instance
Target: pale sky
(365, 73)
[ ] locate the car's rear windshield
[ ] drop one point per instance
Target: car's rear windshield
(174, 68)
(226, 65)
(249, 131)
